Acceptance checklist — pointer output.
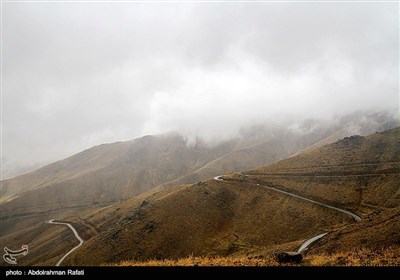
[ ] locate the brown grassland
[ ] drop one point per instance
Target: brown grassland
(359, 257)
(237, 222)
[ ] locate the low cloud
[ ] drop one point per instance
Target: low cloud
(81, 74)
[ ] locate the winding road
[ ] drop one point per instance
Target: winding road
(303, 246)
(311, 240)
(354, 216)
(76, 235)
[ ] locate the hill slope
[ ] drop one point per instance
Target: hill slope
(230, 217)
(114, 172)
(358, 173)
(238, 217)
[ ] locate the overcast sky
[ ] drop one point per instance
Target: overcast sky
(81, 74)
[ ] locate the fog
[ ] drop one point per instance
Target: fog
(81, 74)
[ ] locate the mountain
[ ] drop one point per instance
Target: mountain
(85, 187)
(117, 171)
(237, 217)
(101, 175)
(348, 173)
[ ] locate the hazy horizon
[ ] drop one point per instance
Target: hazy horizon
(77, 75)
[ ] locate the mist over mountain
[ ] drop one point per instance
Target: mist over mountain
(361, 122)
(114, 172)
(167, 130)
(80, 75)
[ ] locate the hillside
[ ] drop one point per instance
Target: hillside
(207, 218)
(230, 218)
(357, 173)
(109, 173)
(236, 218)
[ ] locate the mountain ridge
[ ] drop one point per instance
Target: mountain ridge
(245, 227)
(95, 179)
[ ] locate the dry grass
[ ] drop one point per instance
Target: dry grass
(211, 218)
(206, 261)
(361, 257)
